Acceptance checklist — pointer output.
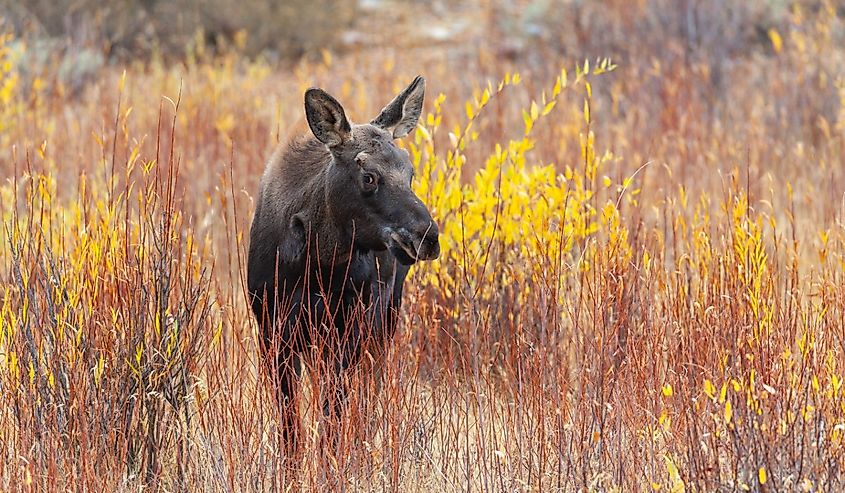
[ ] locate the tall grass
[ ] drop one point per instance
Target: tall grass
(641, 284)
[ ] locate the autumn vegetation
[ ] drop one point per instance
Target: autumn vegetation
(642, 284)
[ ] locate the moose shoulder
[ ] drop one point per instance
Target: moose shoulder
(335, 228)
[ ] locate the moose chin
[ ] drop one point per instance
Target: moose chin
(336, 227)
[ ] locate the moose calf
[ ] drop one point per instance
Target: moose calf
(335, 230)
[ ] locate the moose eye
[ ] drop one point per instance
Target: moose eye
(369, 180)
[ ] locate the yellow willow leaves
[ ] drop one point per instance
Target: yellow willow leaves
(14, 370)
(225, 123)
(709, 389)
(526, 209)
(676, 483)
(8, 84)
(98, 370)
(777, 41)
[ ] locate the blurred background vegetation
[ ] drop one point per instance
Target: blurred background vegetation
(74, 39)
(131, 29)
(128, 29)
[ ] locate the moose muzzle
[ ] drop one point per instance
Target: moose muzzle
(409, 247)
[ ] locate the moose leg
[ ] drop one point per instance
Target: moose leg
(375, 352)
(280, 352)
(387, 295)
(361, 346)
(335, 392)
(287, 387)
(335, 384)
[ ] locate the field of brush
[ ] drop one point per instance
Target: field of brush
(642, 285)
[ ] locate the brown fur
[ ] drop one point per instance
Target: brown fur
(335, 228)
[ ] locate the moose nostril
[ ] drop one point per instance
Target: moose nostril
(431, 245)
(430, 231)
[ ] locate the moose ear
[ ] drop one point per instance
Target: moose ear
(404, 111)
(292, 246)
(326, 118)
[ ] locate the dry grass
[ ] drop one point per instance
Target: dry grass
(641, 285)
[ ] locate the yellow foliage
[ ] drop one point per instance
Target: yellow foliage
(8, 87)
(511, 210)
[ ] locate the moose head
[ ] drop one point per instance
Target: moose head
(368, 183)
